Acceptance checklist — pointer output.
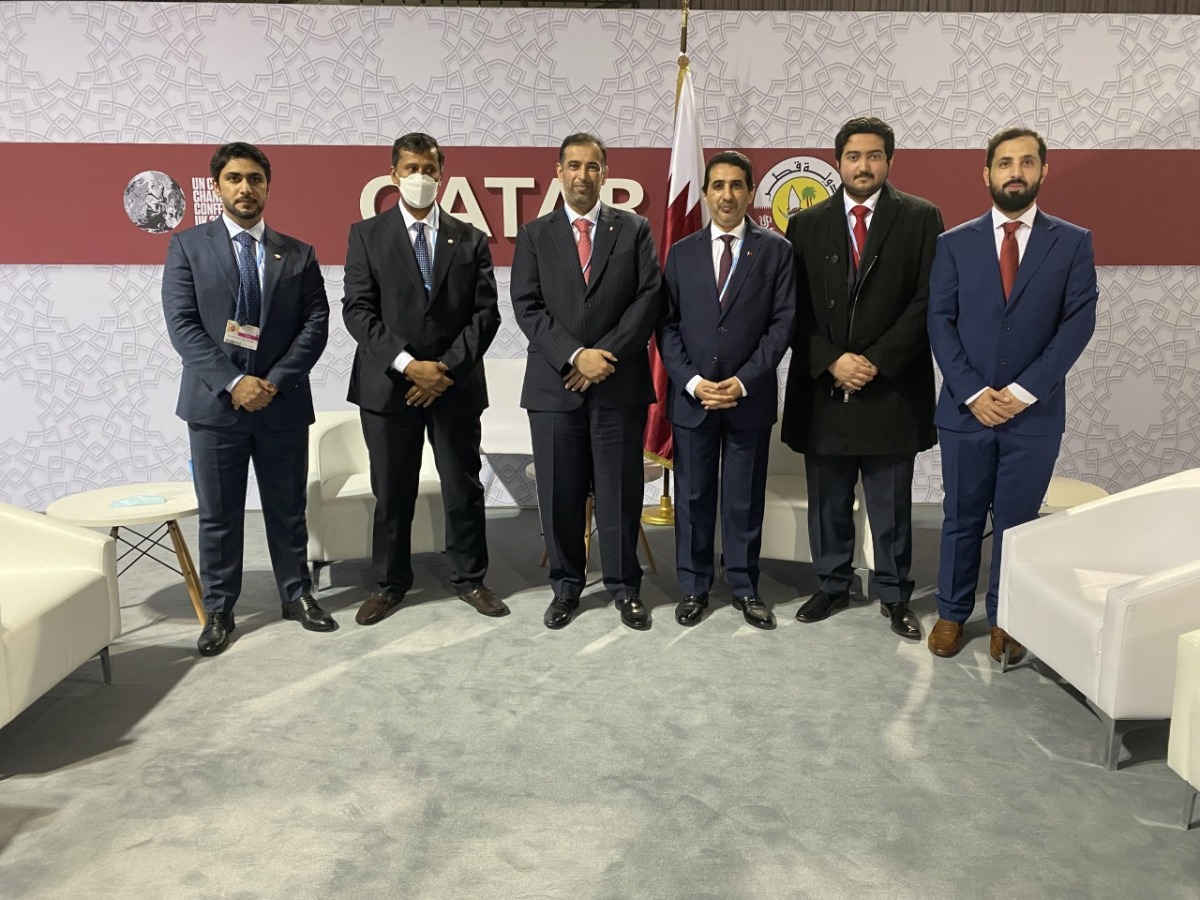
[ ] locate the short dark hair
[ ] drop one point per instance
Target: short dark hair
(1011, 134)
(417, 142)
(865, 125)
(580, 138)
(238, 150)
(730, 158)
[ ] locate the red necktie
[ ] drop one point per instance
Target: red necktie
(860, 214)
(585, 247)
(1009, 257)
(726, 265)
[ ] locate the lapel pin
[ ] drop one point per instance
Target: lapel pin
(278, 256)
(450, 241)
(749, 252)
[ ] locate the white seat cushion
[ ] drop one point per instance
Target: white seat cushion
(1062, 617)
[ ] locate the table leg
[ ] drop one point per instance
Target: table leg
(190, 578)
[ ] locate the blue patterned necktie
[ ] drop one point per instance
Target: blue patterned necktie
(249, 298)
(421, 248)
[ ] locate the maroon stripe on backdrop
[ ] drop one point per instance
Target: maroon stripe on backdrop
(67, 202)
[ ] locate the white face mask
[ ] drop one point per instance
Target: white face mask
(418, 190)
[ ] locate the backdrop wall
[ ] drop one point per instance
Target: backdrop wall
(88, 378)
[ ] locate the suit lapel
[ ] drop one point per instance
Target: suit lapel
(986, 249)
(449, 239)
(1041, 239)
(560, 233)
(608, 226)
(400, 249)
(882, 221)
(222, 250)
(275, 257)
(751, 245)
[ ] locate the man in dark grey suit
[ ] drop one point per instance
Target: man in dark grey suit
(245, 308)
(860, 388)
(585, 290)
(421, 303)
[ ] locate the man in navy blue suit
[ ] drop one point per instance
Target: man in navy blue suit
(1012, 305)
(245, 308)
(731, 303)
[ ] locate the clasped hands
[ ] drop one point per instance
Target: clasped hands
(252, 393)
(591, 366)
(995, 407)
(429, 380)
(718, 394)
(851, 372)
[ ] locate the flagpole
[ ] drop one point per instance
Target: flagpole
(664, 513)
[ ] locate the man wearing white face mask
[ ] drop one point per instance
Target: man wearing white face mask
(420, 300)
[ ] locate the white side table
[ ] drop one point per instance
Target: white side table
(94, 509)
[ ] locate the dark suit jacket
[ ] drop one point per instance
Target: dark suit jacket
(616, 310)
(199, 294)
(745, 337)
(881, 316)
(1033, 339)
(385, 311)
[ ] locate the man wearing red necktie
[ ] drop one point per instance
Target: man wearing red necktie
(860, 386)
(1012, 305)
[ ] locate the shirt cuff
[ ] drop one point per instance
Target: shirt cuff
(975, 396)
(571, 358)
(690, 387)
(229, 387)
(400, 363)
(745, 393)
(1021, 394)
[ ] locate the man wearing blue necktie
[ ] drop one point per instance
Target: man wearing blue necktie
(245, 308)
(421, 304)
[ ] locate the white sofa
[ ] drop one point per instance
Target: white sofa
(1183, 746)
(59, 604)
(341, 507)
(1101, 594)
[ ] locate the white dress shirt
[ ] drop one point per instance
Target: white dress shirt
(1022, 234)
(870, 203)
(256, 232)
(718, 250)
(431, 222)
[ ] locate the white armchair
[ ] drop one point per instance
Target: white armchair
(1183, 746)
(341, 507)
(1101, 593)
(59, 604)
(785, 518)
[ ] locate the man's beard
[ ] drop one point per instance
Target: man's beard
(1011, 203)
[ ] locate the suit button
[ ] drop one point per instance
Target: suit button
(1004, 362)
(720, 331)
(834, 258)
(1008, 328)
(715, 359)
(587, 306)
(831, 303)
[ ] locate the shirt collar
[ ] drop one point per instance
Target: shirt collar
(738, 233)
(592, 215)
(1026, 218)
(431, 218)
(870, 203)
(235, 229)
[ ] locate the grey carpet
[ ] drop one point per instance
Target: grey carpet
(443, 755)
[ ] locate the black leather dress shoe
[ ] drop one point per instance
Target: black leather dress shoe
(214, 638)
(307, 613)
(559, 612)
(691, 609)
(634, 613)
(820, 605)
(755, 612)
(904, 620)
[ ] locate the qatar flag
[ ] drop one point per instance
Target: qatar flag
(685, 214)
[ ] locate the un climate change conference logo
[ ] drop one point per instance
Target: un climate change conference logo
(792, 184)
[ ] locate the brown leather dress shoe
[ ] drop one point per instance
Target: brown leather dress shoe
(378, 605)
(482, 598)
(945, 639)
(999, 638)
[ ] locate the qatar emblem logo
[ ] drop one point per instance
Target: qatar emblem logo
(791, 185)
(154, 202)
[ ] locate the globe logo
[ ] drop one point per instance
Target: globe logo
(154, 202)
